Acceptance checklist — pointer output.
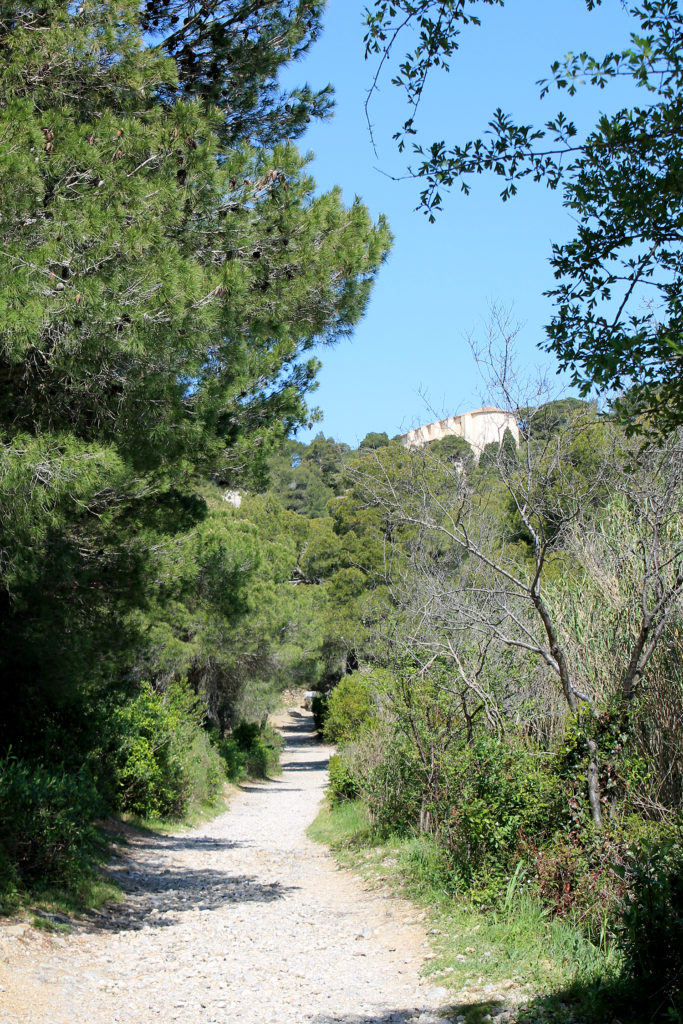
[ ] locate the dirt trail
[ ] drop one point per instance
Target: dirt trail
(241, 920)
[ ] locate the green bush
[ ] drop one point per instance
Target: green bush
(386, 767)
(582, 872)
(498, 797)
(350, 709)
(251, 751)
(246, 734)
(233, 758)
(343, 784)
(46, 823)
(651, 930)
(488, 805)
(10, 883)
(166, 762)
(624, 771)
(204, 770)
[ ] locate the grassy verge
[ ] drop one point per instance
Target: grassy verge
(53, 906)
(514, 962)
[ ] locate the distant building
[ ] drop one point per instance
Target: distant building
(478, 428)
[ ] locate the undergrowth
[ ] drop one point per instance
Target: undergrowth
(515, 955)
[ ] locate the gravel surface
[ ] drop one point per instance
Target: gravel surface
(241, 920)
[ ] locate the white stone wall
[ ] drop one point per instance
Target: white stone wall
(478, 428)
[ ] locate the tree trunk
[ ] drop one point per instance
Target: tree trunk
(594, 784)
(425, 815)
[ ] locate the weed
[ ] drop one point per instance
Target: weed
(50, 924)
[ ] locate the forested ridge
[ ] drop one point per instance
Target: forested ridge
(494, 635)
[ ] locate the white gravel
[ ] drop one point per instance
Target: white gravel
(241, 920)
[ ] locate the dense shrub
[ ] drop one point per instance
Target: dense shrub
(319, 707)
(343, 784)
(488, 804)
(233, 758)
(350, 709)
(586, 873)
(386, 768)
(651, 932)
(497, 797)
(166, 762)
(46, 823)
(251, 750)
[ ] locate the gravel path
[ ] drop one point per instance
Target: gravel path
(241, 920)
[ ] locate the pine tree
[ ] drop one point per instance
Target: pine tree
(163, 284)
(158, 287)
(229, 52)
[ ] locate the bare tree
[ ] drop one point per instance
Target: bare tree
(490, 549)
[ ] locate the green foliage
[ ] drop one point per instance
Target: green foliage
(229, 53)
(46, 824)
(301, 489)
(327, 455)
(165, 763)
(250, 751)
(624, 771)
(508, 450)
(488, 460)
(375, 440)
(388, 775)
(453, 449)
(502, 797)
(263, 746)
(488, 803)
(319, 707)
(350, 709)
(170, 224)
(343, 785)
(543, 421)
(167, 269)
(651, 929)
(306, 477)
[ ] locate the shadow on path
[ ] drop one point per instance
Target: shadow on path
(300, 732)
(262, 791)
(307, 766)
(299, 735)
(470, 1013)
(156, 896)
(156, 892)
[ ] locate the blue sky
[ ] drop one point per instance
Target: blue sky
(409, 361)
